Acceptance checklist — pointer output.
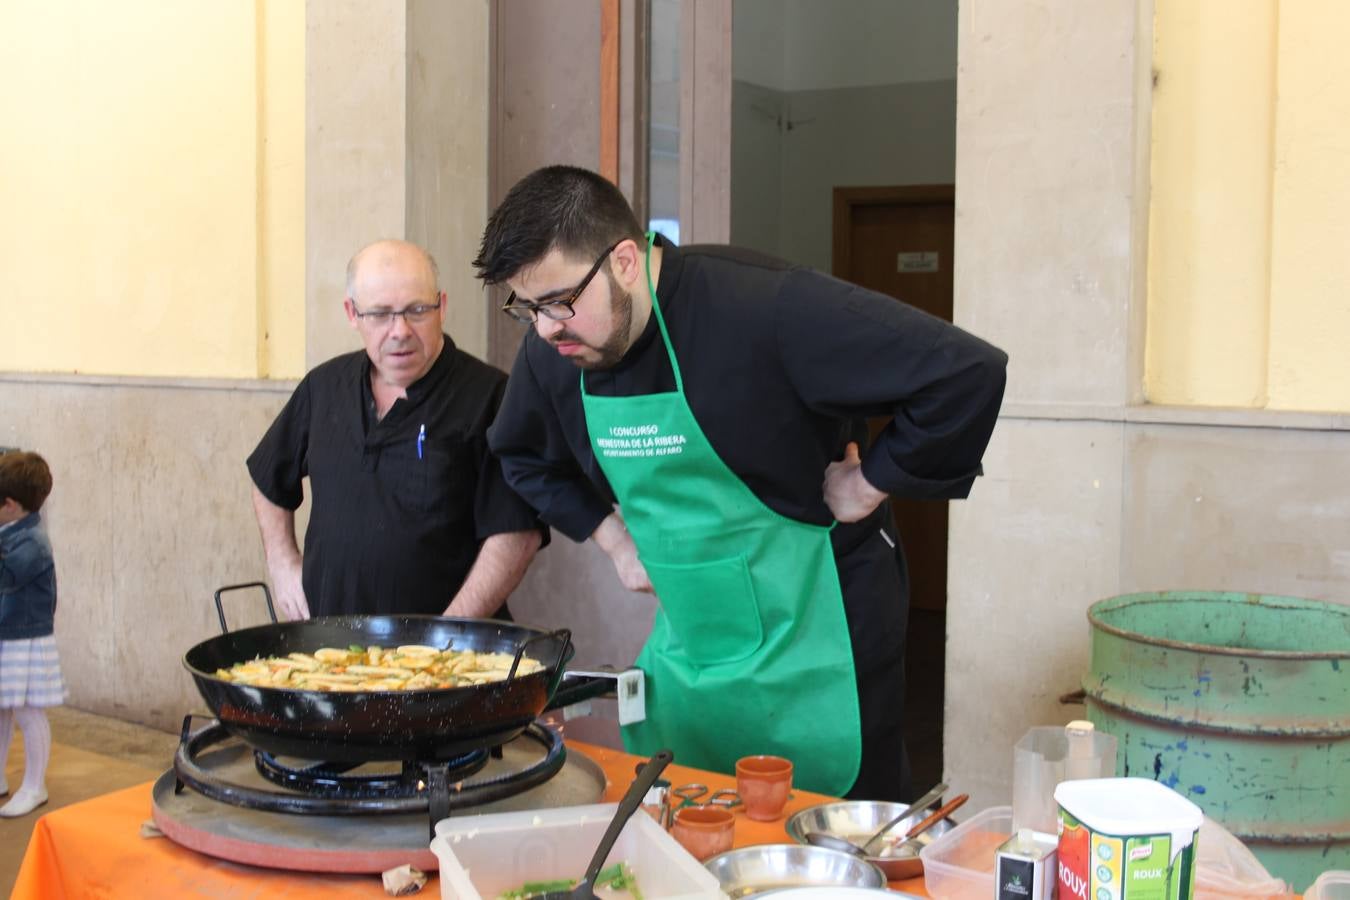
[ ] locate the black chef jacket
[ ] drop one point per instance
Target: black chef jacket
(781, 366)
(390, 531)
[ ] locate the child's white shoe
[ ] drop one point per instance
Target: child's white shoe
(23, 802)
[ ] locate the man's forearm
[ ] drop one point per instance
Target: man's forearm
(501, 564)
(276, 524)
(284, 566)
(612, 536)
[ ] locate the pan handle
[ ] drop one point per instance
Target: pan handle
(271, 610)
(564, 633)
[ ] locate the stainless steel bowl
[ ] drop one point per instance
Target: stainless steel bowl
(857, 820)
(767, 867)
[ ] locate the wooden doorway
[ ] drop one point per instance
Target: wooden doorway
(898, 241)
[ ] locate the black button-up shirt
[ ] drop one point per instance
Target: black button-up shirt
(400, 505)
(780, 364)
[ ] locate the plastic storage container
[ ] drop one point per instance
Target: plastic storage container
(1330, 885)
(959, 865)
(1126, 839)
(483, 856)
(1049, 754)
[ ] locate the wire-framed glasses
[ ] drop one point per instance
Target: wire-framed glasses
(527, 312)
(380, 318)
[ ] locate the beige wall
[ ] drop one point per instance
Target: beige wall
(1250, 190)
(149, 170)
(242, 205)
(447, 186)
(1087, 492)
(149, 514)
(396, 146)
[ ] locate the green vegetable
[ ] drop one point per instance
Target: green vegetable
(532, 888)
(605, 876)
(617, 877)
(355, 648)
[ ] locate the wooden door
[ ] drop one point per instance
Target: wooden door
(898, 241)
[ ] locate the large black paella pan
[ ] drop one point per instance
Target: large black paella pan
(376, 725)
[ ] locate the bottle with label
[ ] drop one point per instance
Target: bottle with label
(1024, 866)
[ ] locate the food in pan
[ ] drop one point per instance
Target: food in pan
(411, 667)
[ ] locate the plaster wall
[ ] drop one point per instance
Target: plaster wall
(1075, 510)
(1087, 493)
(356, 152)
(150, 180)
(790, 149)
(876, 135)
(812, 109)
(1249, 189)
(151, 510)
(447, 87)
(794, 45)
(1045, 221)
(149, 515)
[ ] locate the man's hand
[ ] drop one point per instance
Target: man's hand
(277, 526)
(290, 592)
(612, 536)
(848, 494)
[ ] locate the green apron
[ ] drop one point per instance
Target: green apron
(750, 651)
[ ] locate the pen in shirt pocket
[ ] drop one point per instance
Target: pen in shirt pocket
(421, 437)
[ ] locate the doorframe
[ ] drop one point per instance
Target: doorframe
(846, 199)
(706, 78)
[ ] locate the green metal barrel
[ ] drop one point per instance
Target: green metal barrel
(1240, 702)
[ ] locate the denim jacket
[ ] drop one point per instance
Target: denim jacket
(27, 581)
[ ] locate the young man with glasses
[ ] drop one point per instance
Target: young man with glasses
(707, 445)
(410, 513)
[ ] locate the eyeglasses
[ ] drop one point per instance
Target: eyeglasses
(527, 312)
(418, 312)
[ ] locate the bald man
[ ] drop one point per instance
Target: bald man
(409, 511)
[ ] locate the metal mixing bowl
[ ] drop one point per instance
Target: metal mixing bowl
(857, 820)
(766, 867)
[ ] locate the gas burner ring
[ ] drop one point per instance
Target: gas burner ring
(435, 796)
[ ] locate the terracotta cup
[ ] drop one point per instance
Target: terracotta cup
(704, 831)
(763, 783)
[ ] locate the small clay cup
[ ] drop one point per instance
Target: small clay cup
(704, 831)
(763, 783)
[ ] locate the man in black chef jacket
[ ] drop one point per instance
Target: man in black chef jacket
(410, 513)
(687, 408)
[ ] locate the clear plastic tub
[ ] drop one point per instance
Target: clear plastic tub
(959, 864)
(482, 856)
(1333, 884)
(1049, 754)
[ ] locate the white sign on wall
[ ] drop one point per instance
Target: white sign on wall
(926, 261)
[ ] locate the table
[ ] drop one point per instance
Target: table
(94, 848)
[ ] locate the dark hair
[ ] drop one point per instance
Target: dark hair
(26, 478)
(573, 210)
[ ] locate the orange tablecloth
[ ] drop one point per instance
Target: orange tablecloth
(94, 849)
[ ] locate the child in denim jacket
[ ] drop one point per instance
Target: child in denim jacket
(30, 672)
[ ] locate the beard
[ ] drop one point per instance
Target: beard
(616, 344)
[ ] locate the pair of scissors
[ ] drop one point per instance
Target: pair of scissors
(693, 794)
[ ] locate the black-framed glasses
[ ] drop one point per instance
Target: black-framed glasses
(527, 312)
(413, 315)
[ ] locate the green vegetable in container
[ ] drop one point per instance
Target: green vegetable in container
(618, 877)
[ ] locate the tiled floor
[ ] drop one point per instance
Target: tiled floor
(91, 755)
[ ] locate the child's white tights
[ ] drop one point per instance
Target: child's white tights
(37, 750)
